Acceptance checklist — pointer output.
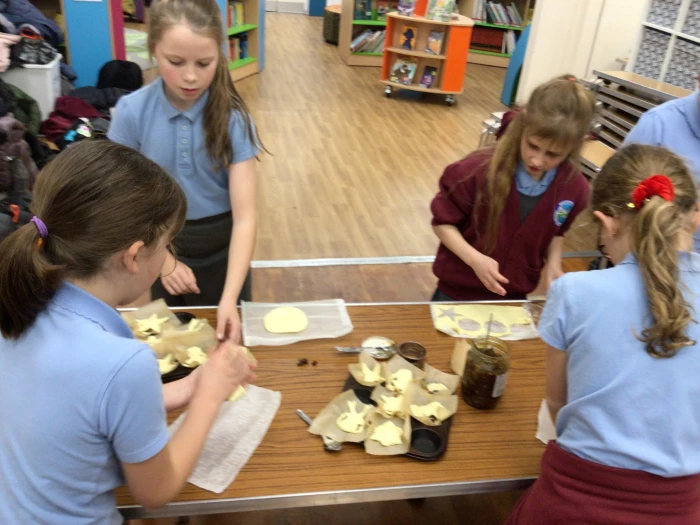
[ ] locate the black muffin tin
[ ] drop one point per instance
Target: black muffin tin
(180, 371)
(427, 443)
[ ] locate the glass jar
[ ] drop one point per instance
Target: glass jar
(486, 372)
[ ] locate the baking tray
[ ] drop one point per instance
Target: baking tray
(427, 443)
(180, 371)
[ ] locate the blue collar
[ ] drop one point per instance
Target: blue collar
(691, 110)
(687, 261)
(79, 302)
(529, 186)
(171, 111)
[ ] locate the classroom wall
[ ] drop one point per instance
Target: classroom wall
(577, 37)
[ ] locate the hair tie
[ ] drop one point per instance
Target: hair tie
(654, 186)
(40, 226)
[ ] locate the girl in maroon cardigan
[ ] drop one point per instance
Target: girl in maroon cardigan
(501, 212)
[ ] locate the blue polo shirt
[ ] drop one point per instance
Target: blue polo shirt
(79, 397)
(674, 125)
(624, 407)
(146, 121)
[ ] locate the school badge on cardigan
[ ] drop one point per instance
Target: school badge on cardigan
(561, 212)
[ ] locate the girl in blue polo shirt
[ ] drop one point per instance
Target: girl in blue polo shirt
(194, 124)
(83, 407)
(623, 359)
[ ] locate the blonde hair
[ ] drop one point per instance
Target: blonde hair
(204, 17)
(656, 230)
(560, 110)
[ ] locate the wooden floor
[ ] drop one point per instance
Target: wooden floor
(356, 283)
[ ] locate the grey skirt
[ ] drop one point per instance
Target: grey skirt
(203, 245)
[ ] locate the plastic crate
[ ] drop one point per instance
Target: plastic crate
(42, 83)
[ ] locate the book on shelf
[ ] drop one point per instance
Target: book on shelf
(428, 78)
(384, 7)
(497, 13)
(434, 46)
(238, 47)
(440, 10)
(493, 40)
(403, 70)
(408, 38)
(368, 41)
(235, 14)
(406, 7)
(363, 10)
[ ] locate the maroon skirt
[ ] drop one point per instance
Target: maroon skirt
(574, 491)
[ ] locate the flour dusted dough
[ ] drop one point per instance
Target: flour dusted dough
(286, 320)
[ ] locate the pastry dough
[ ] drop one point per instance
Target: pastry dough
(167, 364)
(151, 325)
(387, 434)
(285, 320)
(436, 388)
(372, 376)
(195, 325)
(393, 405)
(433, 411)
(399, 380)
(195, 357)
(353, 422)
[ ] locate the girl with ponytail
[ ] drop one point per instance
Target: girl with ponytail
(195, 125)
(622, 358)
(83, 407)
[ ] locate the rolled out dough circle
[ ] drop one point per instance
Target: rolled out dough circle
(285, 320)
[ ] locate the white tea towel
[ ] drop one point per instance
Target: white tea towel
(546, 431)
(238, 430)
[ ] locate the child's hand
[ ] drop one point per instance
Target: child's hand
(486, 270)
(226, 369)
(228, 322)
(180, 281)
(550, 273)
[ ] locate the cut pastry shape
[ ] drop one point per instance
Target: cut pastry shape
(195, 357)
(433, 411)
(167, 364)
(151, 325)
(372, 376)
(393, 405)
(399, 380)
(436, 387)
(353, 422)
(387, 434)
(285, 320)
(496, 327)
(195, 325)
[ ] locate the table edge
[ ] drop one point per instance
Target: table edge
(337, 497)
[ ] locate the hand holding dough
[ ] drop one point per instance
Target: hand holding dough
(285, 320)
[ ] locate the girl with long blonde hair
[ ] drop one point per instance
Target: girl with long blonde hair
(195, 125)
(501, 212)
(622, 358)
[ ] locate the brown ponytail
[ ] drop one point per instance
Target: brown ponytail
(560, 110)
(204, 17)
(96, 198)
(656, 229)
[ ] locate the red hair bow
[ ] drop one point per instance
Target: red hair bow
(656, 185)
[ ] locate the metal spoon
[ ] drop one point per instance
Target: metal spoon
(378, 352)
(329, 444)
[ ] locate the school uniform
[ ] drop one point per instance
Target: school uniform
(73, 409)
(146, 121)
(535, 213)
(626, 450)
(674, 125)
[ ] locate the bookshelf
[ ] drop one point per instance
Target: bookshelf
(368, 21)
(440, 48)
(491, 34)
(668, 43)
(245, 29)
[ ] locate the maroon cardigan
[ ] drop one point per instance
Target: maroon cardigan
(521, 247)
